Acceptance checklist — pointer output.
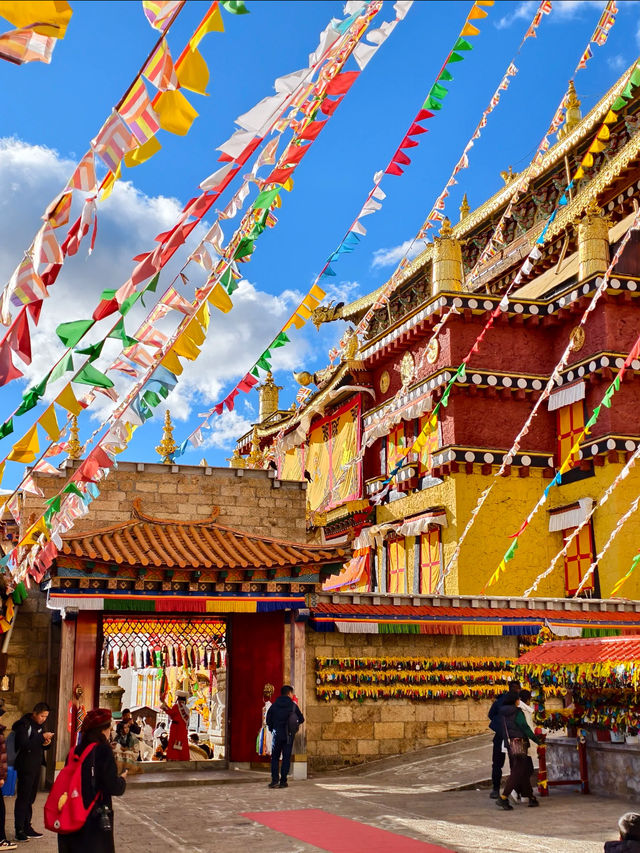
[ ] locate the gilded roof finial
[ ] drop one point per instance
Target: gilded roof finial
(464, 207)
(445, 229)
(74, 448)
(167, 446)
(508, 176)
(254, 459)
(236, 460)
(573, 116)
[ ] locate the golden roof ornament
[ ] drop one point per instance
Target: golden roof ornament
(445, 229)
(254, 459)
(167, 446)
(464, 207)
(573, 116)
(236, 460)
(268, 397)
(74, 448)
(508, 176)
(350, 345)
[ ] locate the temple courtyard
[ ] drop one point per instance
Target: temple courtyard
(409, 796)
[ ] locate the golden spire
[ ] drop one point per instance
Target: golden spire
(464, 207)
(445, 228)
(573, 116)
(268, 397)
(74, 448)
(254, 460)
(167, 446)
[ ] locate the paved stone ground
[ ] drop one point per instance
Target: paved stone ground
(410, 796)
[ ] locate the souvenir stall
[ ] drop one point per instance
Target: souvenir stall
(587, 696)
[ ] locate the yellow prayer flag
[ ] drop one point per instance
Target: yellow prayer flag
(67, 399)
(469, 30)
(2, 464)
(142, 153)
(596, 146)
(317, 292)
(172, 363)
(34, 532)
(109, 182)
(611, 117)
(203, 316)
(194, 332)
(45, 17)
(587, 160)
(579, 174)
(192, 72)
(485, 2)
(49, 423)
(303, 311)
(185, 347)
(288, 185)
(219, 298)
(477, 12)
(175, 113)
(296, 321)
(603, 133)
(27, 448)
(211, 23)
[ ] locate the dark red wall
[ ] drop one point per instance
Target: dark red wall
(85, 668)
(255, 658)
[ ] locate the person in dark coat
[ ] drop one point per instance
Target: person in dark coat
(4, 844)
(31, 743)
(99, 776)
(282, 741)
(497, 758)
(517, 735)
(629, 826)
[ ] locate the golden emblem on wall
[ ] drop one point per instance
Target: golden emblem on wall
(385, 381)
(576, 339)
(433, 351)
(406, 368)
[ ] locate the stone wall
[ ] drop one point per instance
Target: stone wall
(612, 767)
(346, 732)
(253, 501)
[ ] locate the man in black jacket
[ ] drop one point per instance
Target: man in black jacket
(281, 718)
(497, 759)
(30, 742)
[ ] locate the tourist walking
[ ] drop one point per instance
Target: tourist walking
(517, 735)
(281, 719)
(629, 828)
(4, 844)
(99, 776)
(497, 757)
(31, 741)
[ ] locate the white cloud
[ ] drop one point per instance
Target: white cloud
(389, 257)
(617, 62)
(225, 430)
(563, 10)
(522, 11)
(30, 176)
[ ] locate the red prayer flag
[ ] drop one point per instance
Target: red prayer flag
(50, 274)
(280, 176)
(408, 143)
(401, 157)
(218, 409)
(104, 308)
(394, 169)
(174, 243)
(19, 338)
(7, 370)
(423, 114)
(415, 129)
(34, 309)
(341, 83)
(312, 130)
(295, 153)
(247, 383)
(328, 106)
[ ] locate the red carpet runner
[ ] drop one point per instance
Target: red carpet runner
(340, 834)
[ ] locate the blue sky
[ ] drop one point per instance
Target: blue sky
(48, 114)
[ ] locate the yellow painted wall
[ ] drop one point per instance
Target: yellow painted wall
(507, 506)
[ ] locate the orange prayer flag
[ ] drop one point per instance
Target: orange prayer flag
(477, 12)
(469, 30)
(211, 23)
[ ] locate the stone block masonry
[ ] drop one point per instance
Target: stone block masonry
(353, 731)
(248, 500)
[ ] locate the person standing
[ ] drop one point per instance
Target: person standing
(99, 776)
(31, 741)
(178, 746)
(278, 717)
(517, 736)
(4, 844)
(497, 757)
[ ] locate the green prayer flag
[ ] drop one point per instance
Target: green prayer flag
(29, 401)
(233, 286)
(6, 428)
(628, 90)
(511, 552)
(245, 248)
(280, 341)
(432, 104)
(446, 75)
(128, 303)
(62, 367)
(616, 383)
(89, 375)
(72, 489)
(151, 398)
(266, 199)
(71, 333)
(455, 57)
(262, 361)
(52, 508)
(254, 371)
(236, 7)
(151, 287)
(93, 350)
(119, 333)
(619, 104)
(438, 91)
(108, 295)
(635, 76)
(462, 44)
(226, 278)
(606, 400)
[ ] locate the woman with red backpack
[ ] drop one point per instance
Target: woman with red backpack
(100, 782)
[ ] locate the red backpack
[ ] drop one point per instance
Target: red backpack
(64, 810)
